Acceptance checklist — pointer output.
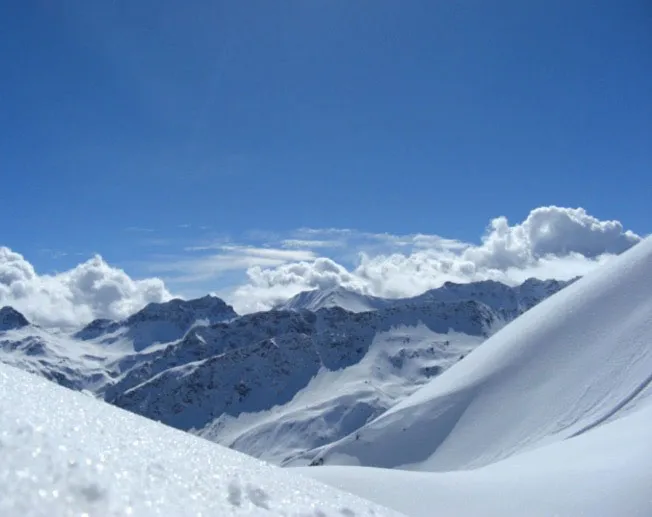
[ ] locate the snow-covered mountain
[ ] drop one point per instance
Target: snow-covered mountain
(573, 363)
(334, 297)
(55, 356)
(510, 301)
(274, 384)
(550, 416)
(251, 366)
(159, 322)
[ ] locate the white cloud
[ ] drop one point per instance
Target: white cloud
(270, 253)
(268, 286)
(229, 257)
(91, 290)
(551, 242)
(549, 231)
(311, 243)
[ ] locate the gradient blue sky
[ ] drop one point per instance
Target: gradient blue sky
(135, 129)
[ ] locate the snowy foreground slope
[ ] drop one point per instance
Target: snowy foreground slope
(604, 473)
(570, 364)
(64, 453)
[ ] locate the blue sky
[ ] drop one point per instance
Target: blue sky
(138, 130)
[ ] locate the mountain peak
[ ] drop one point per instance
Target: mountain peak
(336, 296)
(206, 307)
(511, 300)
(11, 319)
(160, 322)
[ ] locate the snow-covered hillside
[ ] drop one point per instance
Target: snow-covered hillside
(64, 453)
(579, 359)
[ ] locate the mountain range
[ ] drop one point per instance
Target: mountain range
(534, 400)
(274, 384)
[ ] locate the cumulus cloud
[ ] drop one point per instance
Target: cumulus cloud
(552, 242)
(269, 286)
(310, 243)
(91, 290)
(549, 231)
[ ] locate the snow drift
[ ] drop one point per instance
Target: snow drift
(577, 360)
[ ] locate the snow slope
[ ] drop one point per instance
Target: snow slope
(577, 360)
(89, 458)
(602, 473)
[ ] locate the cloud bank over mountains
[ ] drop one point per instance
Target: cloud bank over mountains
(552, 242)
(91, 290)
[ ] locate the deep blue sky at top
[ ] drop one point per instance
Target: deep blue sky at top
(387, 116)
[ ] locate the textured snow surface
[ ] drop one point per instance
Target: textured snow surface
(64, 453)
(572, 363)
(603, 473)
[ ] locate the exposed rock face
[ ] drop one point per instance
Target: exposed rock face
(11, 319)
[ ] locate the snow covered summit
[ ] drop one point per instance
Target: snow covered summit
(334, 297)
(159, 322)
